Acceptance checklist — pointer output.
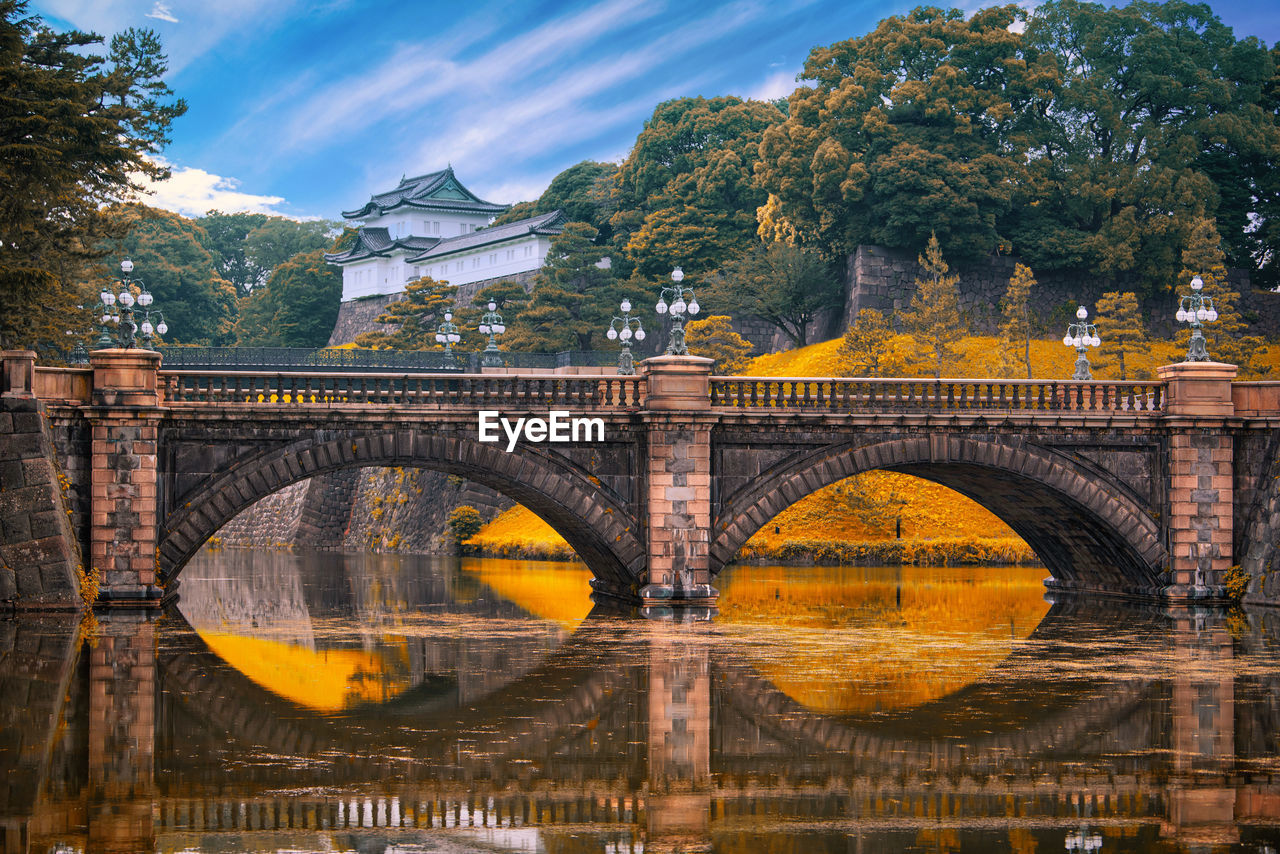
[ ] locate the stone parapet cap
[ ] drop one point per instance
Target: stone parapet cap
(1198, 389)
(18, 377)
(125, 377)
(681, 383)
(1197, 371)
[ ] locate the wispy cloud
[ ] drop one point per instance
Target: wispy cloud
(162, 12)
(777, 85)
(194, 192)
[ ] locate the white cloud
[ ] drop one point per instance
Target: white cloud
(161, 11)
(194, 192)
(777, 85)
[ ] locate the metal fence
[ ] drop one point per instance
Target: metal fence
(331, 360)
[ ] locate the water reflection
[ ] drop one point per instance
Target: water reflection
(428, 705)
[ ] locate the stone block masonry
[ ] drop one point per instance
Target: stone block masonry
(38, 555)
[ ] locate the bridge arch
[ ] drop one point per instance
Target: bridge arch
(591, 519)
(1089, 530)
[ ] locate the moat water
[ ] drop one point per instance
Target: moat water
(359, 703)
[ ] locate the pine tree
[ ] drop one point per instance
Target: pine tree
(872, 349)
(1122, 331)
(1225, 338)
(934, 317)
(418, 314)
(713, 338)
(1015, 324)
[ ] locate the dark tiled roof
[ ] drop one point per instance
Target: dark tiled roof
(378, 241)
(549, 223)
(433, 191)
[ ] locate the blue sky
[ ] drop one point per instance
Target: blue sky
(308, 108)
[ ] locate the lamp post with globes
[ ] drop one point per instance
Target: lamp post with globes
(447, 333)
(1196, 310)
(119, 309)
(491, 324)
(682, 301)
(1082, 335)
(620, 329)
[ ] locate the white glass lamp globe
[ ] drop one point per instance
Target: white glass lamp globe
(612, 334)
(1181, 316)
(626, 305)
(145, 299)
(126, 266)
(661, 307)
(639, 334)
(108, 298)
(499, 328)
(106, 318)
(625, 334)
(1082, 313)
(1213, 315)
(677, 275)
(439, 337)
(1066, 341)
(1097, 342)
(455, 337)
(484, 329)
(162, 327)
(694, 308)
(1077, 341)
(126, 299)
(147, 328)
(448, 315)
(1201, 314)
(493, 306)
(678, 307)
(1197, 283)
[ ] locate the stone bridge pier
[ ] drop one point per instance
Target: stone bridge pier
(1148, 489)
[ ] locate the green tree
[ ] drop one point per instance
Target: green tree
(1226, 337)
(573, 297)
(464, 523)
(1016, 319)
(584, 192)
(776, 282)
(1159, 121)
(934, 316)
(920, 127)
(1122, 330)
(416, 317)
(871, 348)
(278, 239)
(226, 234)
(297, 306)
(78, 131)
(510, 298)
(713, 338)
(169, 256)
(686, 194)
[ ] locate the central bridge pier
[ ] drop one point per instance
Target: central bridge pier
(1141, 489)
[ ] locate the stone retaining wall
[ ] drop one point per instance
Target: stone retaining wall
(38, 554)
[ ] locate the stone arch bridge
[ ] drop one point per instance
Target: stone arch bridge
(1150, 489)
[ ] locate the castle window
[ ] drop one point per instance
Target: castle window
(493, 259)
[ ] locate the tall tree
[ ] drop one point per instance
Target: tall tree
(783, 284)
(920, 127)
(169, 256)
(1016, 319)
(934, 318)
(686, 194)
(226, 234)
(584, 192)
(297, 306)
(277, 239)
(574, 296)
(1159, 121)
(77, 132)
(1122, 330)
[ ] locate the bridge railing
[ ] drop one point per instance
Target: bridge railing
(926, 395)
(476, 391)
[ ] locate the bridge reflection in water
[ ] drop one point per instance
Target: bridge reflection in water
(378, 702)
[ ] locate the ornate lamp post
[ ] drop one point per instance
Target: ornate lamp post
(119, 309)
(1195, 310)
(678, 307)
(447, 333)
(624, 332)
(491, 324)
(1082, 335)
